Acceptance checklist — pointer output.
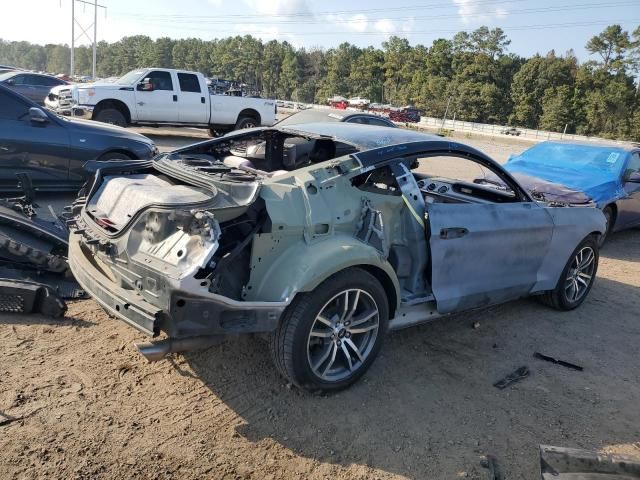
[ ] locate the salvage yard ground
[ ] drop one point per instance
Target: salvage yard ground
(77, 401)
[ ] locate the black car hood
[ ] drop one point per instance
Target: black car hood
(98, 128)
(541, 189)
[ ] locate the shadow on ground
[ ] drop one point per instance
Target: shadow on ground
(427, 407)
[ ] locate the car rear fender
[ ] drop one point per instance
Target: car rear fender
(302, 266)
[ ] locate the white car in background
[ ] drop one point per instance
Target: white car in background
(359, 102)
(161, 96)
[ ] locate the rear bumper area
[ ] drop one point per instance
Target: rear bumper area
(190, 315)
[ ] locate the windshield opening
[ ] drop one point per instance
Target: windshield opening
(129, 78)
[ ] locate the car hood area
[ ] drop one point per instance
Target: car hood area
(80, 127)
(565, 185)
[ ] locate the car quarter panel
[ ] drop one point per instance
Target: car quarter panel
(315, 216)
(571, 226)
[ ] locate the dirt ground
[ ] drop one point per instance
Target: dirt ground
(77, 401)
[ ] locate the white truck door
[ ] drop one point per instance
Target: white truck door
(159, 102)
(193, 99)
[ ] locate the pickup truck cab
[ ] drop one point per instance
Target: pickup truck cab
(161, 96)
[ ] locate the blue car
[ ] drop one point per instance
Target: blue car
(582, 174)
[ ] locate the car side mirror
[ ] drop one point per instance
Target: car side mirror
(36, 115)
(10, 81)
(145, 86)
(633, 177)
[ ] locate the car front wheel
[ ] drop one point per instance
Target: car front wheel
(329, 337)
(577, 277)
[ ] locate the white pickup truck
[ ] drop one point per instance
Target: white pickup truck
(161, 96)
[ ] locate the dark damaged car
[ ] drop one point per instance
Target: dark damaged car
(53, 150)
(322, 236)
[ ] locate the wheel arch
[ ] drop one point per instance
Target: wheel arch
(123, 151)
(250, 112)
(281, 279)
(614, 214)
(112, 103)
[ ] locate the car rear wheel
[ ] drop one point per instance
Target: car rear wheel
(328, 338)
(246, 122)
(112, 116)
(577, 277)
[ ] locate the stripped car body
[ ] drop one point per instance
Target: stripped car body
(205, 242)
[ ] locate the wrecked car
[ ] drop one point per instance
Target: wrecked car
(323, 237)
(34, 274)
(578, 173)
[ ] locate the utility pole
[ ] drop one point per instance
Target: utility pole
(444, 118)
(94, 25)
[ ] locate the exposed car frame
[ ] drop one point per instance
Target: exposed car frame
(358, 223)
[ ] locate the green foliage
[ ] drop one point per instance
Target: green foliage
(472, 72)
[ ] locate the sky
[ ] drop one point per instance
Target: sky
(533, 26)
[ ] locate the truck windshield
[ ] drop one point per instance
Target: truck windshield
(129, 78)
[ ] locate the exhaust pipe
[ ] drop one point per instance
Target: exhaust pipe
(155, 351)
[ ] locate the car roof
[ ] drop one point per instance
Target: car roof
(365, 137)
(313, 115)
(625, 146)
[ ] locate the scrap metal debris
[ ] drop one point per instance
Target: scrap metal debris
(513, 377)
(34, 274)
(559, 463)
(564, 363)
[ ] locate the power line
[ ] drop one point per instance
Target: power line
(446, 5)
(545, 26)
(347, 22)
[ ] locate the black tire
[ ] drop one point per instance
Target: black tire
(290, 343)
(112, 116)
(610, 218)
(246, 122)
(558, 298)
(114, 156)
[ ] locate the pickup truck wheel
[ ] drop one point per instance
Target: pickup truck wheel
(113, 116)
(246, 122)
(577, 277)
(328, 338)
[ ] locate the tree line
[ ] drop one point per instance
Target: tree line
(472, 75)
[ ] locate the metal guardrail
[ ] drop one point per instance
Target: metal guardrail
(489, 129)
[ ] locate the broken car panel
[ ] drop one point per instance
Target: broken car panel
(323, 236)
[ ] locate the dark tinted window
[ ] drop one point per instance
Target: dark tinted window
(11, 108)
(20, 80)
(380, 122)
(160, 80)
(356, 120)
(189, 82)
(633, 166)
(47, 81)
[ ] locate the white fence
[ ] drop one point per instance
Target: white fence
(488, 129)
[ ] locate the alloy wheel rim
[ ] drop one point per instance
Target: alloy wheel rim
(580, 274)
(343, 335)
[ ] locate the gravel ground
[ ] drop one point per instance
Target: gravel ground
(77, 401)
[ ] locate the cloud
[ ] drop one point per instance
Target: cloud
(357, 23)
(281, 8)
(385, 26)
(470, 11)
(216, 3)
